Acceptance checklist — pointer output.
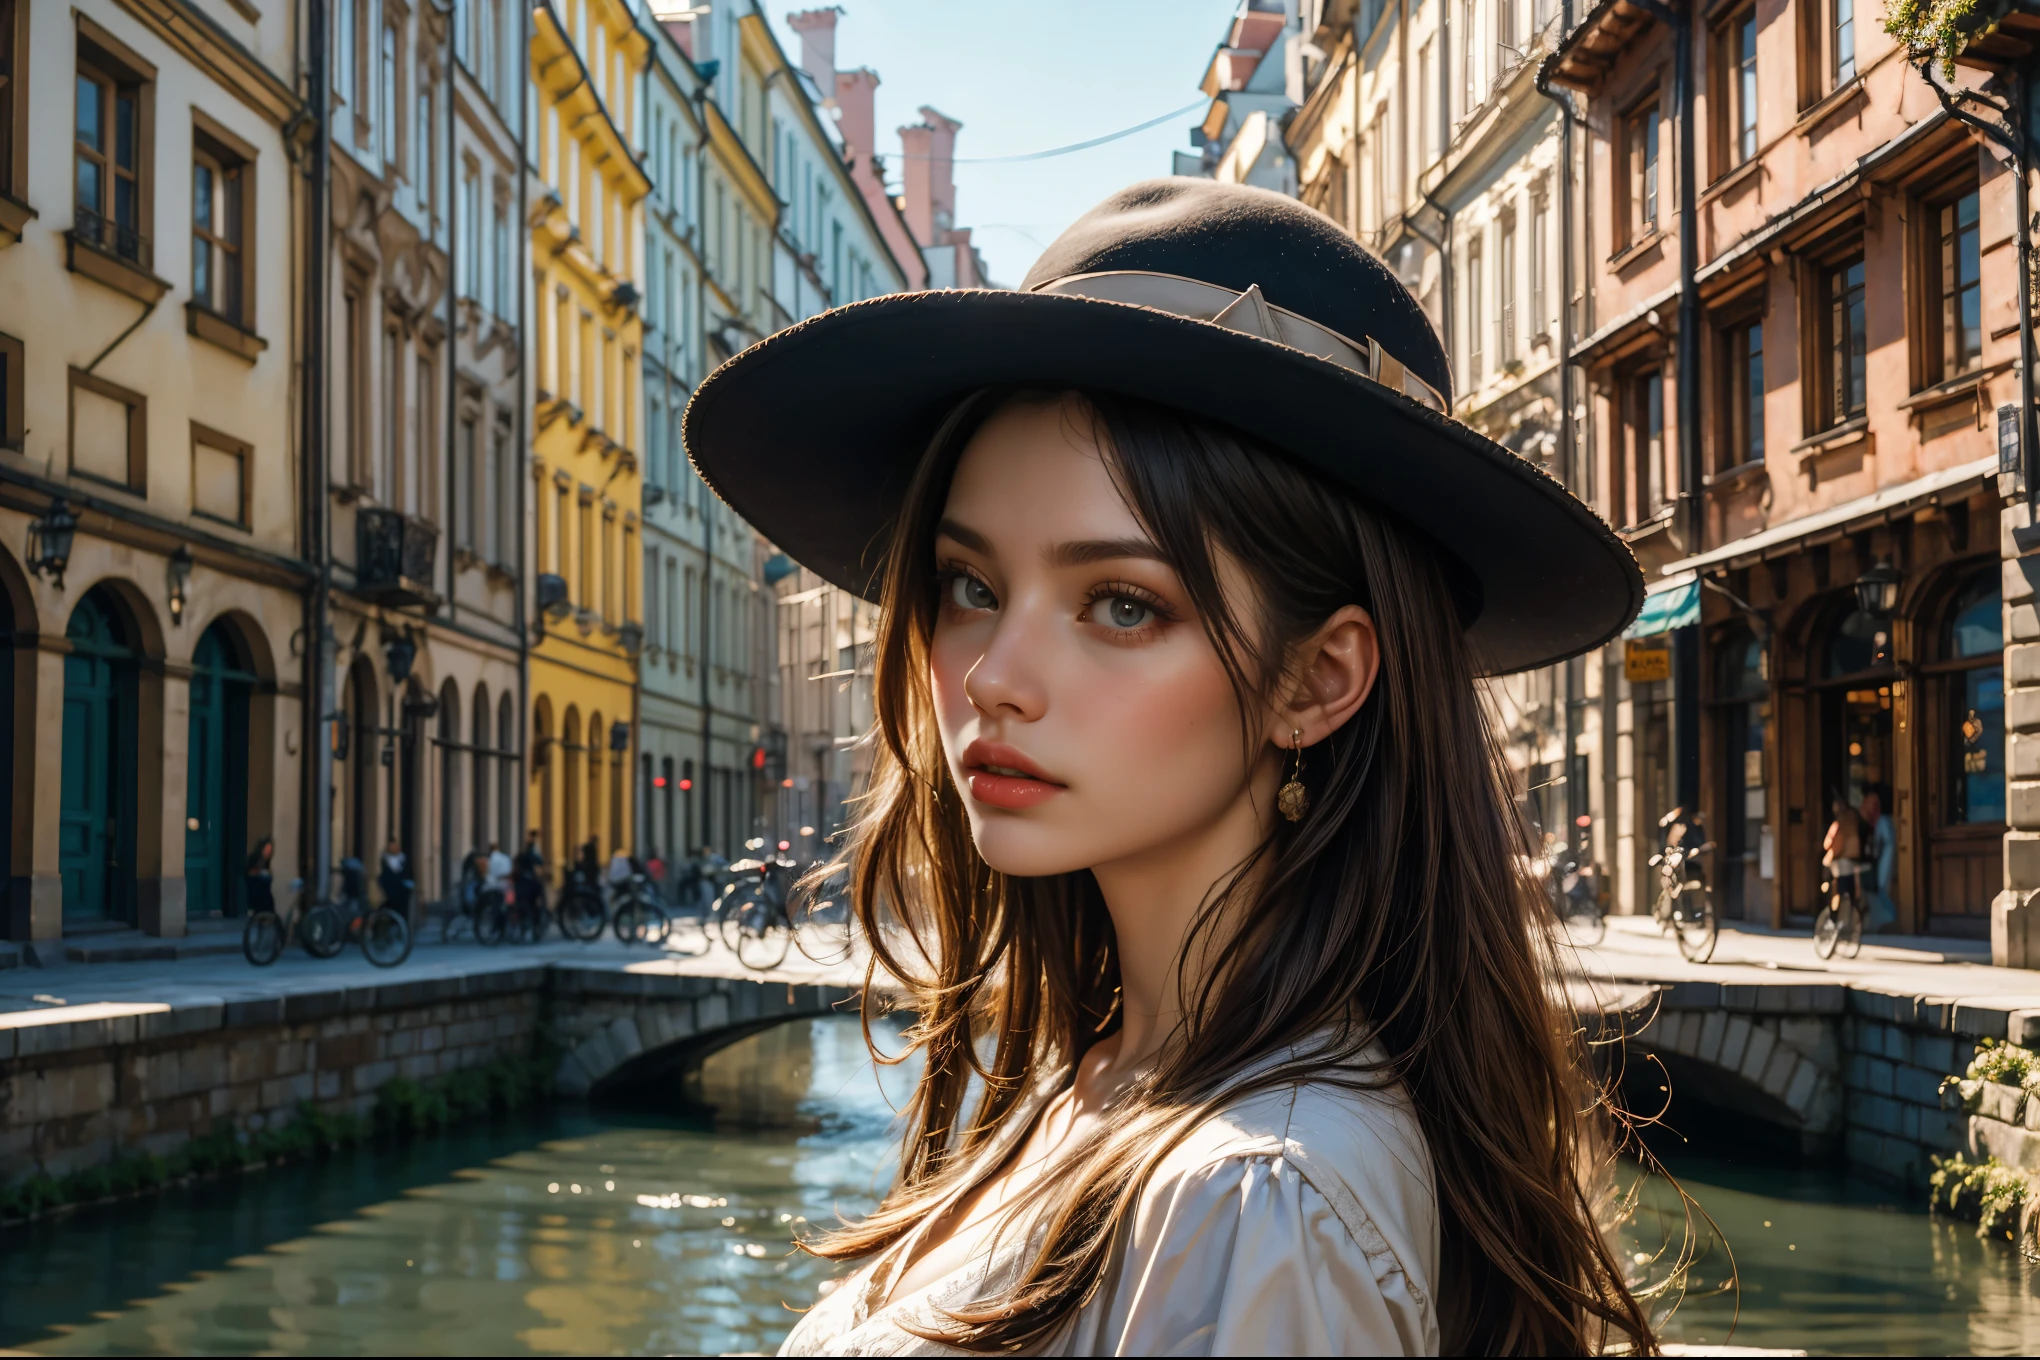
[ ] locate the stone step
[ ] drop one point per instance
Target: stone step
(132, 946)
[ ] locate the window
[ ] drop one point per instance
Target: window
(387, 476)
(389, 97)
(424, 485)
(1976, 749)
(1641, 148)
(505, 554)
(1506, 283)
(471, 233)
(499, 252)
(344, 60)
(13, 119)
(1844, 320)
(109, 208)
(1742, 397)
(219, 476)
(1743, 102)
(1844, 41)
(1506, 52)
(1470, 93)
(354, 380)
(1476, 313)
(1960, 287)
(109, 432)
(1540, 266)
(218, 202)
(11, 389)
(421, 142)
(467, 487)
(1645, 419)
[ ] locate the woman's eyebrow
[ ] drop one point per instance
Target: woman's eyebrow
(1084, 551)
(966, 537)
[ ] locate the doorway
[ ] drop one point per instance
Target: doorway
(216, 784)
(96, 807)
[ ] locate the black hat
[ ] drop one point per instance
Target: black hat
(1229, 303)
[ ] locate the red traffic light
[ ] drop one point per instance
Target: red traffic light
(658, 781)
(686, 784)
(758, 759)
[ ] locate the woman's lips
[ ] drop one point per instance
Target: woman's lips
(1003, 777)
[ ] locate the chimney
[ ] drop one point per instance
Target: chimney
(856, 93)
(817, 29)
(930, 175)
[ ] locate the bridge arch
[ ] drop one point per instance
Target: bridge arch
(1779, 1066)
(636, 1028)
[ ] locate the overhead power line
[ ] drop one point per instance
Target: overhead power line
(1066, 150)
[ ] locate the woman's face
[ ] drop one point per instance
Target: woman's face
(1085, 715)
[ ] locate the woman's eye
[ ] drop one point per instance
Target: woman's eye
(967, 592)
(1121, 611)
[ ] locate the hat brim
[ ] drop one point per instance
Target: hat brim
(813, 434)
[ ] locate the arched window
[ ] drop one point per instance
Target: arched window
(479, 813)
(1972, 644)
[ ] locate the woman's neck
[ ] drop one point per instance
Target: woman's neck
(1155, 898)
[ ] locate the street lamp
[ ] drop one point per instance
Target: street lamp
(619, 735)
(1877, 590)
(400, 651)
(180, 580)
(49, 541)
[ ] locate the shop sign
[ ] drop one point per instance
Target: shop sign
(1647, 659)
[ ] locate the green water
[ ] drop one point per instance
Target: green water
(677, 1240)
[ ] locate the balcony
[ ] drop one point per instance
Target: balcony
(118, 256)
(394, 555)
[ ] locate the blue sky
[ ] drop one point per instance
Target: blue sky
(1028, 75)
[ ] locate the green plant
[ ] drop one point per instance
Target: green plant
(2006, 1064)
(1942, 28)
(1994, 1193)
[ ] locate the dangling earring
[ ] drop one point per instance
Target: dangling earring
(1294, 798)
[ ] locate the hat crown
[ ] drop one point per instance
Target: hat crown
(1240, 237)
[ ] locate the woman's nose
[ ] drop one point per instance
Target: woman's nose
(1007, 679)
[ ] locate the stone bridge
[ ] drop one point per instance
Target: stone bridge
(98, 1060)
(1772, 1048)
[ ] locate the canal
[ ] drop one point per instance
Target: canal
(571, 1232)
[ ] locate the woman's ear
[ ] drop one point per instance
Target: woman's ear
(1333, 672)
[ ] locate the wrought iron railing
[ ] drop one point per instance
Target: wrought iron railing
(111, 237)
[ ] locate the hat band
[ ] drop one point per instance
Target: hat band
(1250, 314)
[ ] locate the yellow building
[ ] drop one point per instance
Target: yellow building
(586, 56)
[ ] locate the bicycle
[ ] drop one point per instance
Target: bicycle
(638, 917)
(582, 913)
(267, 932)
(384, 932)
(480, 905)
(1570, 888)
(1685, 902)
(1838, 925)
(694, 900)
(754, 921)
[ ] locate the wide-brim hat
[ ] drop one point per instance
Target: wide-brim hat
(1233, 304)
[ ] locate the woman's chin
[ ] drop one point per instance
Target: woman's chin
(1014, 847)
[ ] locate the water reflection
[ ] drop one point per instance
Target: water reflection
(1834, 1266)
(577, 1233)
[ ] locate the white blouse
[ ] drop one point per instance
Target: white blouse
(1298, 1221)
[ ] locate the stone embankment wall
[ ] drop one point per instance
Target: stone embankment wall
(1840, 1068)
(114, 1079)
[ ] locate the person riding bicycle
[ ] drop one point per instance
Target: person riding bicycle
(1842, 850)
(394, 878)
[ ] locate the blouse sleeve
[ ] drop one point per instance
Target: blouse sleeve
(1243, 1256)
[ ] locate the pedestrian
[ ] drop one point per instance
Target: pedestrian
(259, 879)
(621, 868)
(1881, 855)
(394, 878)
(1184, 839)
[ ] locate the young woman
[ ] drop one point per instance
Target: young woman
(1185, 836)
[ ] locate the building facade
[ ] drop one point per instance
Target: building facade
(154, 572)
(585, 219)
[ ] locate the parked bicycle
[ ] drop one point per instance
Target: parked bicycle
(1573, 889)
(269, 932)
(384, 931)
(752, 914)
(478, 904)
(1685, 902)
(582, 913)
(637, 916)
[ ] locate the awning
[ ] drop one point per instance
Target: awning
(1881, 505)
(1668, 604)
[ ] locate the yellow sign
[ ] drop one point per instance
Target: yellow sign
(1645, 660)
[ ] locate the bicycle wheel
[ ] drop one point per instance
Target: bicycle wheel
(731, 926)
(628, 922)
(658, 925)
(1827, 928)
(582, 916)
(689, 936)
(323, 931)
(1850, 941)
(491, 921)
(537, 920)
(386, 938)
(262, 938)
(1695, 925)
(1584, 924)
(763, 939)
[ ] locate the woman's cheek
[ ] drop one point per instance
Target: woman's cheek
(1165, 743)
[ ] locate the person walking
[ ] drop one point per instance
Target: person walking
(1239, 1022)
(1882, 856)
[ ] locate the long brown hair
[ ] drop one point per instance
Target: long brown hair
(1393, 917)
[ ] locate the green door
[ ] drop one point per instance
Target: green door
(95, 808)
(215, 798)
